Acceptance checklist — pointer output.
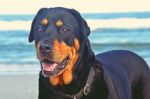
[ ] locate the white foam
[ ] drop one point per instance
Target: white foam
(15, 25)
(119, 23)
(93, 24)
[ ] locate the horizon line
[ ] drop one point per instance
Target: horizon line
(111, 12)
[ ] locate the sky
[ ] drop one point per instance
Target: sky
(83, 6)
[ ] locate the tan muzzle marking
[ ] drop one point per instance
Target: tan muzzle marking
(67, 75)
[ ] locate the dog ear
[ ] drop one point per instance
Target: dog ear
(85, 30)
(31, 35)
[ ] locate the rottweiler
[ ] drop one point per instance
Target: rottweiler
(71, 70)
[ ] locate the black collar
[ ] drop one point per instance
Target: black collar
(86, 89)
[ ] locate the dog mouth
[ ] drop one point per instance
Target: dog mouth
(51, 68)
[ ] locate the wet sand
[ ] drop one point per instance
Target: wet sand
(18, 86)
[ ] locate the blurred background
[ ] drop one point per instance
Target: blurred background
(115, 24)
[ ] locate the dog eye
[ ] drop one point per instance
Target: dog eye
(66, 29)
(39, 29)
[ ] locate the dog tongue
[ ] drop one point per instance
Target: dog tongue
(48, 67)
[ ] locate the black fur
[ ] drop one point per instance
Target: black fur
(120, 74)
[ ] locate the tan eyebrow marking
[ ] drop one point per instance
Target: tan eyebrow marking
(59, 23)
(44, 21)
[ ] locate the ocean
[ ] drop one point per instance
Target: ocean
(109, 31)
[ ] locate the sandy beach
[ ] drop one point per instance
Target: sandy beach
(18, 86)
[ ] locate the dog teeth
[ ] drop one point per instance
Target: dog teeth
(49, 67)
(53, 67)
(63, 66)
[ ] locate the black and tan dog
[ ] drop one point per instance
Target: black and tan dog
(69, 68)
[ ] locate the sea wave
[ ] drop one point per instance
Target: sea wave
(122, 30)
(138, 15)
(15, 25)
(29, 17)
(119, 23)
(128, 23)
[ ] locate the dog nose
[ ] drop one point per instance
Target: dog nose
(45, 48)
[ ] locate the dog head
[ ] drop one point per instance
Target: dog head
(58, 33)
